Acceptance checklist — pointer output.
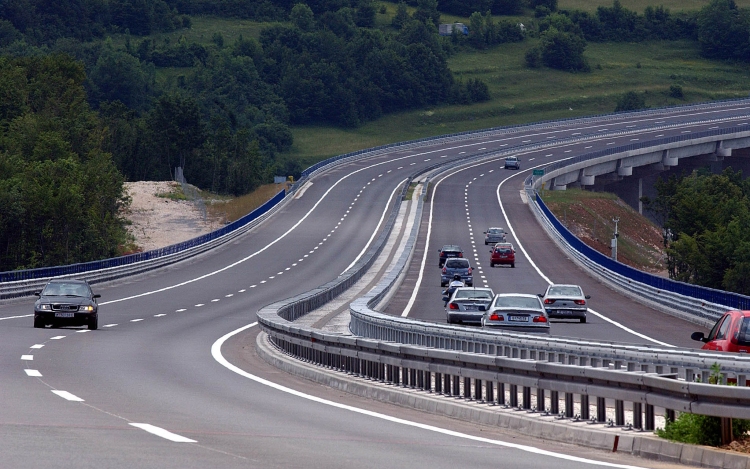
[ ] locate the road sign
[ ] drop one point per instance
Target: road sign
(538, 172)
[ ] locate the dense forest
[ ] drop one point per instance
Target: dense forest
(223, 111)
(706, 220)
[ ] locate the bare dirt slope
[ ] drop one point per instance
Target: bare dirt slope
(158, 221)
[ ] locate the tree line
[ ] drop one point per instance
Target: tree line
(60, 191)
(706, 221)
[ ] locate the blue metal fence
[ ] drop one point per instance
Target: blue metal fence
(46, 272)
(731, 300)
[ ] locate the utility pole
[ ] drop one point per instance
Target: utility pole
(614, 239)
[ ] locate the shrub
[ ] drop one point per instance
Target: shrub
(630, 101)
(675, 91)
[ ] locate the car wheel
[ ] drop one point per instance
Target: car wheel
(513, 265)
(583, 320)
(470, 284)
(442, 284)
(94, 323)
(38, 323)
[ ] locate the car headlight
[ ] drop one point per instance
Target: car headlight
(45, 307)
(86, 309)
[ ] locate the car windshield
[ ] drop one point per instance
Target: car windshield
(473, 294)
(564, 291)
(457, 264)
(65, 289)
(517, 302)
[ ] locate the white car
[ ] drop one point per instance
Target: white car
(565, 301)
(517, 312)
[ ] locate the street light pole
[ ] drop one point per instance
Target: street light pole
(614, 239)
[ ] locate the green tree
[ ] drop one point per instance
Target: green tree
(427, 12)
(563, 51)
(401, 17)
(724, 31)
(302, 17)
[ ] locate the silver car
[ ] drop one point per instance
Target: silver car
(468, 304)
(565, 301)
(517, 312)
(494, 235)
(512, 162)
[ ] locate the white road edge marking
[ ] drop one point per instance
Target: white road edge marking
(68, 396)
(216, 353)
(163, 433)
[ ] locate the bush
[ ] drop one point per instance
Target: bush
(700, 429)
(631, 101)
(533, 57)
(675, 91)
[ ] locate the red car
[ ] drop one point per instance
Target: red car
(503, 253)
(731, 333)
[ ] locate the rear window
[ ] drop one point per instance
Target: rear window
(495, 231)
(503, 250)
(517, 302)
(743, 335)
(473, 294)
(565, 291)
(457, 264)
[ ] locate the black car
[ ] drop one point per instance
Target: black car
(449, 251)
(66, 302)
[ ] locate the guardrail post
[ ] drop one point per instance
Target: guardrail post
(554, 402)
(514, 395)
(726, 431)
(585, 415)
(601, 409)
(501, 394)
(526, 397)
(649, 418)
(569, 405)
(412, 378)
(540, 404)
(637, 415)
(669, 415)
(467, 388)
(438, 383)
(619, 413)
(456, 386)
(478, 390)
(490, 393)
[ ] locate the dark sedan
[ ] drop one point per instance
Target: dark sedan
(66, 302)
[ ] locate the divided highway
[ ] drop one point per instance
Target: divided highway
(145, 389)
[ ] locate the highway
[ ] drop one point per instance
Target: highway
(150, 388)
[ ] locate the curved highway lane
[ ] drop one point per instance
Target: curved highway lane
(145, 390)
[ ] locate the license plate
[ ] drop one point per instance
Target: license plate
(514, 318)
(471, 307)
(564, 311)
(64, 315)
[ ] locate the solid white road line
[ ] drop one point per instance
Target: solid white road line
(163, 433)
(216, 353)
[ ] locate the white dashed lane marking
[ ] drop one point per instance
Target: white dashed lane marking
(68, 396)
